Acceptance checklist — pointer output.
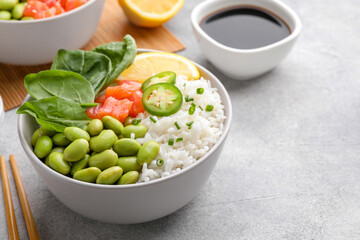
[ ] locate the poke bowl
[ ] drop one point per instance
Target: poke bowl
(37, 41)
(133, 203)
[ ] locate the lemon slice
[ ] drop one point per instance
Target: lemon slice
(148, 64)
(150, 13)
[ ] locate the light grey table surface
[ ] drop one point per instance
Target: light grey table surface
(290, 168)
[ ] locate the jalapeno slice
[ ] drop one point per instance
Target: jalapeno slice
(162, 99)
(168, 77)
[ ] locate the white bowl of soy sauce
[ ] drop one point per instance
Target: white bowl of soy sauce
(245, 38)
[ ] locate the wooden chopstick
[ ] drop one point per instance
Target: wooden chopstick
(10, 213)
(29, 220)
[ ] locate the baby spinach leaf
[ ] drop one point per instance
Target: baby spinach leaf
(56, 113)
(94, 67)
(121, 54)
(59, 83)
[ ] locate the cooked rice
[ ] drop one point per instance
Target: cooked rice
(204, 132)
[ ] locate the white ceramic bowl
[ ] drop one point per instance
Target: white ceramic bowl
(125, 204)
(37, 41)
(245, 64)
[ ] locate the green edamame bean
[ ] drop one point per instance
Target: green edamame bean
(27, 18)
(113, 124)
(81, 164)
(43, 146)
(35, 137)
(76, 150)
(5, 15)
(148, 152)
(57, 162)
(128, 164)
(103, 160)
(129, 178)
(128, 120)
(126, 147)
(139, 130)
(104, 141)
(87, 175)
(73, 133)
(95, 127)
(8, 4)
(57, 149)
(110, 175)
(60, 140)
(47, 132)
(18, 10)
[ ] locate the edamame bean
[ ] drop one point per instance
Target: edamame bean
(18, 10)
(128, 120)
(76, 150)
(47, 132)
(27, 18)
(103, 160)
(57, 149)
(129, 178)
(104, 141)
(113, 124)
(139, 130)
(60, 140)
(35, 137)
(5, 15)
(43, 146)
(95, 127)
(81, 164)
(73, 133)
(87, 175)
(57, 162)
(148, 152)
(110, 175)
(8, 4)
(128, 164)
(126, 147)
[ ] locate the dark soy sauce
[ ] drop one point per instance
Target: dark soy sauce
(245, 27)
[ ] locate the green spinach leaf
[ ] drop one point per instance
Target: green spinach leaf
(121, 54)
(56, 113)
(59, 83)
(94, 67)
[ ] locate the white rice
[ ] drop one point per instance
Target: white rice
(204, 132)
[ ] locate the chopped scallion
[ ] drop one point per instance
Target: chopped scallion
(209, 108)
(192, 110)
(189, 124)
(159, 162)
(188, 98)
(200, 91)
(201, 108)
(136, 121)
(171, 141)
(177, 125)
(153, 119)
(179, 139)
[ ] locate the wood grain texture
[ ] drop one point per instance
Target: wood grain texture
(113, 26)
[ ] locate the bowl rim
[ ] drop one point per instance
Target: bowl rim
(34, 159)
(196, 25)
(53, 18)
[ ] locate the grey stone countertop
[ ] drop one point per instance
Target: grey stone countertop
(290, 168)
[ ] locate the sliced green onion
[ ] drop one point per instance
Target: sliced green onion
(177, 125)
(184, 85)
(189, 124)
(200, 91)
(209, 108)
(201, 108)
(171, 141)
(193, 104)
(153, 119)
(179, 139)
(159, 162)
(136, 121)
(192, 110)
(188, 98)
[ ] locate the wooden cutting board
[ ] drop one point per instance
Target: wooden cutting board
(113, 26)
